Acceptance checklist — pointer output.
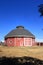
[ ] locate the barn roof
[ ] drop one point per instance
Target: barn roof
(20, 31)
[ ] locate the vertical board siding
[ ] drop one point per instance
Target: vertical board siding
(10, 41)
(27, 42)
(20, 42)
(33, 42)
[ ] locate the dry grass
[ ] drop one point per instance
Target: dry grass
(36, 52)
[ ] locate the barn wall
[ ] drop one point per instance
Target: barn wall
(14, 41)
(27, 41)
(10, 42)
(24, 42)
(20, 41)
(33, 42)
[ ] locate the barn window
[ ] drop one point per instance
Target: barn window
(10, 41)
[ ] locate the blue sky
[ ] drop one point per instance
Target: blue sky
(20, 12)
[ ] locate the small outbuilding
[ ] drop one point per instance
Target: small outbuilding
(20, 37)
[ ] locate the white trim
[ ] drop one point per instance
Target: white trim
(31, 42)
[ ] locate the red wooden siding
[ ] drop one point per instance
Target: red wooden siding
(20, 41)
(27, 41)
(33, 42)
(10, 41)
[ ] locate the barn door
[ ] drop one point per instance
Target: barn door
(27, 41)
(19, 41)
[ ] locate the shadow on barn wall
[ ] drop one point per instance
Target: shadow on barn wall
(20, 61)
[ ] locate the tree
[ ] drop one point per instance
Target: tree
(41, 9)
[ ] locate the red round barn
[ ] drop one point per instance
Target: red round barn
(20, 37)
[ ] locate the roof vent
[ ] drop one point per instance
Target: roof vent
(20, 27)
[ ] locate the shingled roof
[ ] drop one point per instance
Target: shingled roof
(20, 31)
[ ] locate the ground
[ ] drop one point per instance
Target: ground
(35, 52)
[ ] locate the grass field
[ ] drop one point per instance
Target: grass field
(35, 52)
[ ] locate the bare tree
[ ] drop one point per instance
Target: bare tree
(40, 9)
